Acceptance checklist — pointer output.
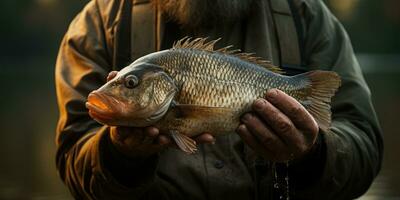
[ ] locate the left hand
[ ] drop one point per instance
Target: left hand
(143, 142)
(280, 129)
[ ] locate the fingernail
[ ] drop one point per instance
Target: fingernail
(271, 94)
(152, 132)
(240, 128)
(246, 117)
(259, 104)
(163, 141)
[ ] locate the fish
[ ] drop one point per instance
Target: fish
(193, 88)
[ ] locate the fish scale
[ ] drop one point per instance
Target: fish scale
(217, 71)
(211, 89)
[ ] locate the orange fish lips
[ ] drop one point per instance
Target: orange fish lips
(102, 107)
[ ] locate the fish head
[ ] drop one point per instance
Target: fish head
(138, 95)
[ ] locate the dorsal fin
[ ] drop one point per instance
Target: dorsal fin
(202, 44)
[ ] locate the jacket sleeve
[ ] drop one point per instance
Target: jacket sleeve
(85, 158)
(352, 150)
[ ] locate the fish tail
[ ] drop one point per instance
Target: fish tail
(322, 87)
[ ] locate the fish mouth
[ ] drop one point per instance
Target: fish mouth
(102, 107)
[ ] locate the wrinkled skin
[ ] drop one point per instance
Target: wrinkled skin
(280, 128)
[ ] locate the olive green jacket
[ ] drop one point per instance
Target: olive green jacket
(344, 165)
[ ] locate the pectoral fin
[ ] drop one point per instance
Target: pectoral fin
(196, 118)
(185, 143)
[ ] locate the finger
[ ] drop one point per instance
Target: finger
(264, 134)
(122, 132)
(167, 141)
(250, 140)
(293, 109)
(111, 75)
(151, 131)
(205, 138)
(164, 140)
(279, 122)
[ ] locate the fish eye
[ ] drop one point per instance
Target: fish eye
(131, 81)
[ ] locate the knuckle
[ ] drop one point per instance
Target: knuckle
(267, 141)
(296, 110)
(261, 106)
(275, 118)
(284, 126)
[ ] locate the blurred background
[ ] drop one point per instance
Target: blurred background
(31, 31)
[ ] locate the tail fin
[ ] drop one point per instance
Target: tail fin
(323, 85)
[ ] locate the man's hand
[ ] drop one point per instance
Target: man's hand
(144, 142)
(280, 129)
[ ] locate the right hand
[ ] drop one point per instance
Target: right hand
(144, 142)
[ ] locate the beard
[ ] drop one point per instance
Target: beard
(194, 14)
